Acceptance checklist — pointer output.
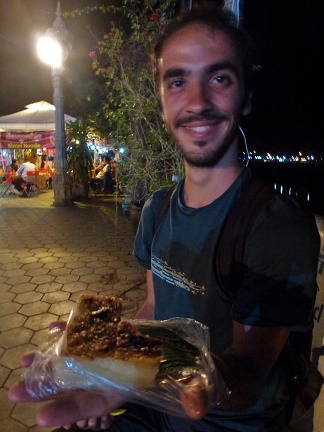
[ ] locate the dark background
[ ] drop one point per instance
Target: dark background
(287, 110)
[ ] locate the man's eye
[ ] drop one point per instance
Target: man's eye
(221, 79)
(175, 83)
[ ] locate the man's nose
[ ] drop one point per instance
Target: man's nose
(198, 99)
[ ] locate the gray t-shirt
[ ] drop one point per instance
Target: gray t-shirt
(277, 288)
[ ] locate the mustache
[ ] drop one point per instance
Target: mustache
(197, 118)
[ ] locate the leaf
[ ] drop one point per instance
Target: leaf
(177, 354)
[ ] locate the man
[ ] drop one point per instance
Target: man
(22, 178)
(204, 82)
(103, 177)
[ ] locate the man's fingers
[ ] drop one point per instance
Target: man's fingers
(100, 423)
(58, 324)
(27, 359)
(18, 393)
(70, 410)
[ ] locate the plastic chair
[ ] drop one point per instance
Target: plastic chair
(31, 183)
(5, 188)
(43, 176)
(96, 188)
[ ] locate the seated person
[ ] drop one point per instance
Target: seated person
(44, 172)
(43, 164)
(98, 165)
(8, 175)
(22, 178)
(15, 165)
(103, 178)
(51, 171)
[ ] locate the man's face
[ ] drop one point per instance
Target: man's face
(202, 93)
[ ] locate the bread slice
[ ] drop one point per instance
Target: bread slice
(108, 347)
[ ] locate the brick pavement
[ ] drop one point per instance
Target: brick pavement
(48, 256)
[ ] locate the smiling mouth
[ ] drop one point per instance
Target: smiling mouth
(199, 129)
(201, 124)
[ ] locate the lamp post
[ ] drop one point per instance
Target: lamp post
(53, 49)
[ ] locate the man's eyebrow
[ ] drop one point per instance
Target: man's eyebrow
(223, 65)
(181, 72)
(174, 72)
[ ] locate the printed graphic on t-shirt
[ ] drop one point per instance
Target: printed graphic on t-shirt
(163, 270)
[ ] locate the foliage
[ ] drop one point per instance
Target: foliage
(131, 107)
(79, 157)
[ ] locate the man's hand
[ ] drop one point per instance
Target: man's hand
(71, 408)
(85, 408)
(194, 399)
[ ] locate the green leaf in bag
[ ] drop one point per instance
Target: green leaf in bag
(178, 355)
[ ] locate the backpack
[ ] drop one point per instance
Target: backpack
(256, 194)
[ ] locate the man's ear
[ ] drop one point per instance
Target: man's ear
(247, 104)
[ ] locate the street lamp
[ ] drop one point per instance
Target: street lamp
(53, 49)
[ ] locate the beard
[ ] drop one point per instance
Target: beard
(208, 159)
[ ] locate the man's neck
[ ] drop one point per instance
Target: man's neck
(203, 185)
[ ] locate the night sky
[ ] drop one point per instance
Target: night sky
(287, 107)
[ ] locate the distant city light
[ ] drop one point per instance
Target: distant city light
(299, 157)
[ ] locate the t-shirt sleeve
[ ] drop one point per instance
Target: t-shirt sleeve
(145, 234)
(280, 268)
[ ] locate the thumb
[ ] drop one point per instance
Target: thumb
(194, 399)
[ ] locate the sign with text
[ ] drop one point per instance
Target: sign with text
(27, 140)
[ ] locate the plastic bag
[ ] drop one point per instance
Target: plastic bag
(186, 371)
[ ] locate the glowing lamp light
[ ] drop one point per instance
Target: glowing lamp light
(50, 51)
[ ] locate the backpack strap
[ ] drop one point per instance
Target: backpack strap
(229, 256)
(163, 208)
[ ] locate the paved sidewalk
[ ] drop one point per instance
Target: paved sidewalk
(48, 256)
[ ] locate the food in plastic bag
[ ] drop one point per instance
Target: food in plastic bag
(110, 347)
(161, 364)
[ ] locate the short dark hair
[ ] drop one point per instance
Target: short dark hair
(215, 18)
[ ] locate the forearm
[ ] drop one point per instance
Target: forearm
(246, 363)
(146, 311)
(243, 383)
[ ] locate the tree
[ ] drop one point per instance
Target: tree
(79, 157)
(131, 107)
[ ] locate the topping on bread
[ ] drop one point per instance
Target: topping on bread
(115, 349)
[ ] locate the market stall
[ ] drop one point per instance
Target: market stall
(36, 116)
(30, 130)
